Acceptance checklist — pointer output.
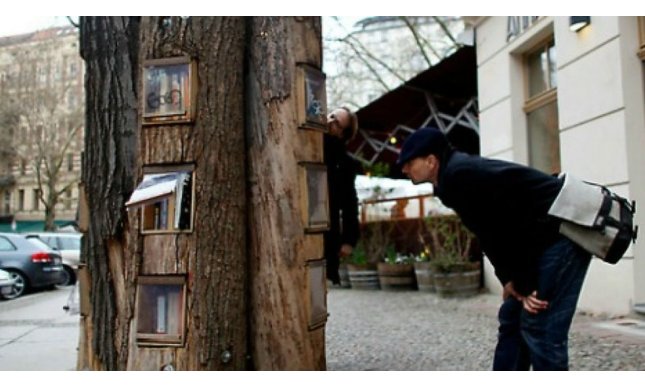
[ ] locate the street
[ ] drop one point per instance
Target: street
(36, 334)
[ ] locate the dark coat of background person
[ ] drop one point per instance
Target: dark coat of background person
(343, 203)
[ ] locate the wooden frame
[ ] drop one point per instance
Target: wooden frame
(641, 37)
(312, 98)
(172, 209)
(169, 90)
(157, 298)
(315, 196)
(317, 289)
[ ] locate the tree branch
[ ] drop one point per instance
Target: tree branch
(446, 30)
(417, 39)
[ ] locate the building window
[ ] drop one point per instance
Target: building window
(42, 74)
(541, 108)
(71, 100)
(36, 197)
(70, 162)
(7, 202)
(57, 71)
(72, 70)
(23, 167)
(21, 200)
(68, 198)
(541, 70)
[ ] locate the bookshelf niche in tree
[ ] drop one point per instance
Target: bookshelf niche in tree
(317, 293)
(311, 98)
(315, 202)
(169, 90)
(160, 310)
(165, 197)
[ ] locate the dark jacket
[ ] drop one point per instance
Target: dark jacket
(505, 205)
(343, 203)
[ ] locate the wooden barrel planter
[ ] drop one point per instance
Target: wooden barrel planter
(344, 276)
(461, 284)
(396, 276)
(425, 276)
(363, 276)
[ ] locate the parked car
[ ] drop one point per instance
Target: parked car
(68, 244)
(6, 283)
(30, 263)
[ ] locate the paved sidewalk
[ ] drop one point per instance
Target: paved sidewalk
(412, 330)
(36, 334)
(366, 330)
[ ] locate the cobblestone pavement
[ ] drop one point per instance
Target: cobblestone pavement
(412, 330)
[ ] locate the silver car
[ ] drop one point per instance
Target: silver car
(6, 283)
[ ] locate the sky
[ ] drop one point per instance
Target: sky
(20, 18)
(11, 24)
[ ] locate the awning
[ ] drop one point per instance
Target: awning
(452, 84)
(23, 226)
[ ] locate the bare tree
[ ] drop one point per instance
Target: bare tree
(42, 111)
(380, 53)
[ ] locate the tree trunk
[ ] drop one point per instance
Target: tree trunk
(111, 79)
(213, 256)
(233, 313)
(50, 205)
(281, 339)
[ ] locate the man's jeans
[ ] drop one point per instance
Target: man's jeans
(541, 339)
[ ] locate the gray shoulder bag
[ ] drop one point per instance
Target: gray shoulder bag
(598, 220)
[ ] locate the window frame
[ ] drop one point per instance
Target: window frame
(543, 98)
(641, 37)
(161, 339)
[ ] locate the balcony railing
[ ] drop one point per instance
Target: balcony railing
(409, 207)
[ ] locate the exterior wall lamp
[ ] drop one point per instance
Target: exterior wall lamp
(576, 23)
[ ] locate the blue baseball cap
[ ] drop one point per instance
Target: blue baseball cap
(423, 142)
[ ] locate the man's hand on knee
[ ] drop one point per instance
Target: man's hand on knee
(534, 305)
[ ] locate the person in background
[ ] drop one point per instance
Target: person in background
(343, 232)
(505, 205)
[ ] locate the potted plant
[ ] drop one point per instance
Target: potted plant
(362, 274)
(344, 273)
(423, 272)
(453, 273)
(362, 268)
(397, 271)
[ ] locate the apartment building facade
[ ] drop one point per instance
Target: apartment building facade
(41, 78)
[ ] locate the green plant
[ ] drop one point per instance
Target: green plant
(450, 244)
(358, 256)
(376, 237)
(390, 255)
(378, 169)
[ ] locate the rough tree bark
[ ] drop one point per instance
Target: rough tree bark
(281, 339)
(109, 47)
